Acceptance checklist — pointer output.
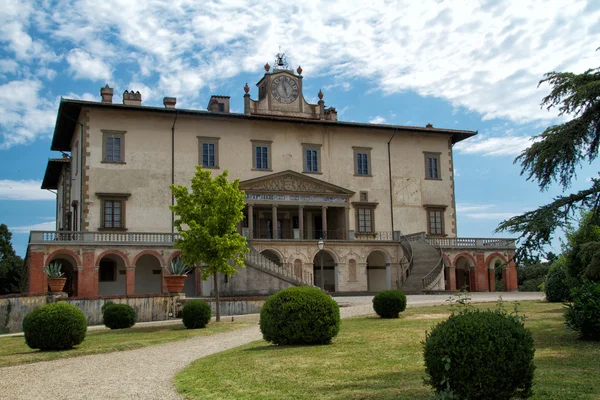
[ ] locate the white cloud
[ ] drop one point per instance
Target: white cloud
(43, 226)
(8, 66)
(493, 216)
(85, 66)
(24, 114)
(495, 146)
(485, 57)
(85, 96)
(23, 190)
(377, 120)
(465, 207)
(345, 86)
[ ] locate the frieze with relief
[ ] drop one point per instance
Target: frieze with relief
(289, 184)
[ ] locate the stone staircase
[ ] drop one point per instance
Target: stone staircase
(284, 272)
(425, 259)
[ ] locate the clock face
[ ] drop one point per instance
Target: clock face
(284, 89)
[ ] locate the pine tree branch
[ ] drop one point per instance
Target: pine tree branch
(538, 226)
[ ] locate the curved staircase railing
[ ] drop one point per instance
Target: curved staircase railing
(285, 271)
(432, 279)
(406, 261)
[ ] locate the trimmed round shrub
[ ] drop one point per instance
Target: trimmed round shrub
(300, 315)
(557, 284)
(480, 355)
(196, 314)
(583, 314)
(56, 326)
(389, 303)
(118, 316)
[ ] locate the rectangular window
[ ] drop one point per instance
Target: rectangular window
(436, 222)
(312, 157)
(113, 150)
(365, 220)
(209, 152)
(312, 161)
(432, 166)
(362, 161)
(221, 107)
(112, 211)
(261, 154)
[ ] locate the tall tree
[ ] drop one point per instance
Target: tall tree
(12, 272)
(207, 219)
(554, 157)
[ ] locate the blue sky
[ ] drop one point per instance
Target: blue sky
(465, 65)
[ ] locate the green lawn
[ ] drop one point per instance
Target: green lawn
(13, 349)
(382, 359)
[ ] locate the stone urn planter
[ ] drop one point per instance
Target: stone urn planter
(56, 284)
(56, 278)
(175, 276)
(175, 282)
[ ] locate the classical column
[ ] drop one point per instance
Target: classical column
(388, 276)
(250, 221)
(301, 221)
(130, 280)
(347, 219)
(274, 222)
(324, 222)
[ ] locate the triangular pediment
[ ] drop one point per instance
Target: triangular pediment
(292, 182)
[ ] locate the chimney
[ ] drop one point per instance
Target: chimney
(132, 98)
(429, 126)
(107, 94)
(169, 102)
(218, 104)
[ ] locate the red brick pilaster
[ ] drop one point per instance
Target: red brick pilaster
(482, 276)
(505, 279)
(38, 282)
(514, 284)
(451, 278)
(130, 278)
(492, 279)
(87, 282)
(473, 279)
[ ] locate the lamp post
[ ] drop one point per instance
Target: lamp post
(321, 245)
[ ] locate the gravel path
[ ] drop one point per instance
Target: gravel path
(147, 373)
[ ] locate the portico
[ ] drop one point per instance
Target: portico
(290, 205)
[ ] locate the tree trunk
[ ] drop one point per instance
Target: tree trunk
(217, 301)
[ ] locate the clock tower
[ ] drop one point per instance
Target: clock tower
(280, 94)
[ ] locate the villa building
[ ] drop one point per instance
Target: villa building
(380, 196)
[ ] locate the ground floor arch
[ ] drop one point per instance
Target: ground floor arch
(70, 271)
(463, 267)
(112, 278)
(496, 266)
(273, 256)
(326, 275)
(148, 275)
(377, 263)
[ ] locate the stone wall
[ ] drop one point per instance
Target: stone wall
(13, 308)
